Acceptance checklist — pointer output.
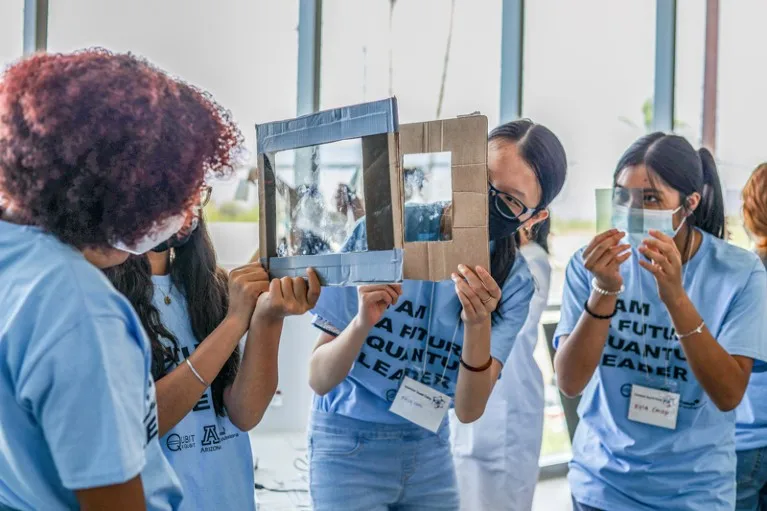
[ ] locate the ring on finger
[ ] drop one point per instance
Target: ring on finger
(487, 300)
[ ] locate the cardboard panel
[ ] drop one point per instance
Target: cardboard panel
(466, 139)
(376, 179)
(396, 190)
(470, 178)
(470, 209)
(470, 247)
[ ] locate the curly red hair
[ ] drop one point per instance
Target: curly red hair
(97, 147)
(755, 205)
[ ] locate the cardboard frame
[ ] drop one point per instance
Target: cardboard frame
(466, 139)
(376, 125)
(384, 143)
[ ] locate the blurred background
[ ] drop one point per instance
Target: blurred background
(599, 73)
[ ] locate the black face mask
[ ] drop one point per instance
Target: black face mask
(173, 242)
(499, 226)
(176, 241)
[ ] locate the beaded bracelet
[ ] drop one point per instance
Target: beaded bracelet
(605, 292)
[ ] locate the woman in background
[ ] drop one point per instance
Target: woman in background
(101, 155)
(660, 339)
(751, 415)
(208, 395)
(496, 457)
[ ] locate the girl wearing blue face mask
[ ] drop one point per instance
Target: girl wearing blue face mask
(660, 336)
(383, 345)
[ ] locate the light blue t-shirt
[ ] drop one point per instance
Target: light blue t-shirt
(622, 464)
(751, 414)
(210, 455)
(421, 330)
(78, 401)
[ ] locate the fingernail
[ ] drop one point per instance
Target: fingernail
(461, 267)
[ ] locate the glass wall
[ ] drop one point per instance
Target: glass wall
(588, 75)
(742, 102)
(244, 52)
(440, 58)
(690, 66)
(11, 31)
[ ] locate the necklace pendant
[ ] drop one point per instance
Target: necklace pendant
(167, 300)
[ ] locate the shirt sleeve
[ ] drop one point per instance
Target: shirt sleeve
(517, 293)
(335, 309)
(576, 292)
(745, 322)
(88, 390)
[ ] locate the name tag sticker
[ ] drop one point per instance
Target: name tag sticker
(654, 407)
(420, 404)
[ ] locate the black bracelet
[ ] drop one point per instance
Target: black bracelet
(597, 316)
(473, 369)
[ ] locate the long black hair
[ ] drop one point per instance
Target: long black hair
(686, 170)
(195, 274)
(544, 153)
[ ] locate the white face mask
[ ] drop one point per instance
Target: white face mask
(637, 223)
(160, 232)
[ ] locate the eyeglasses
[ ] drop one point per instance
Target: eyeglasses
(507, 205)
(205, 193)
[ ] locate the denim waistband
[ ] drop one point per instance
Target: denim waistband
(340, 424)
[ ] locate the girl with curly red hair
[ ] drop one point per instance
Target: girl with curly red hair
(751, 414)
(100, 155)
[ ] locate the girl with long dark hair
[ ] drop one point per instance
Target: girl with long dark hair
(210, 389)
(660, 334)
(383, 347)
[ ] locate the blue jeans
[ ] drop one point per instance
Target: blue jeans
(366, 466)
(752, 477)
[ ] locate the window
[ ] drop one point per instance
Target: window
(588, 76)
(378, 48)
(244, 52)
(11, 31)
(690, 66)
(742, 103)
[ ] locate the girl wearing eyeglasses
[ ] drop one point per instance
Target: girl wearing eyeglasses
(212, 387)
(383, 347)
(659, 334)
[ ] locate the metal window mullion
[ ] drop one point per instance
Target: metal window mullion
(665, 63)
(35, 26)
(512, 50)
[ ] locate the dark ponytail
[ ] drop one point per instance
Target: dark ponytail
(686, 170)
(709, 215)
(540, 148)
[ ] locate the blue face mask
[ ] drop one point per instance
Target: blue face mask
(637, 223)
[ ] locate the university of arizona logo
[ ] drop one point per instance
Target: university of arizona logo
(210, 436)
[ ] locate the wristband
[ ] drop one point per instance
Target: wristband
(483, 368)
(605, 292)
(598, 316)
